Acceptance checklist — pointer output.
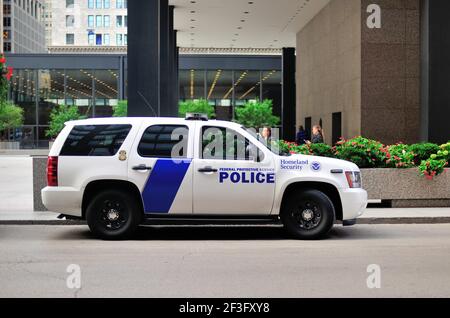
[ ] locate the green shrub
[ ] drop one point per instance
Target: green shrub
(59, 116)
(423, 151)
(121, 109)
(321, 150)
(365, 153)
(437, 162)
(196, 106)
(11, 116)
(257, 115)
(400, 156)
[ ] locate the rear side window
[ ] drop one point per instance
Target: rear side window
(164, 141)
(95, 140)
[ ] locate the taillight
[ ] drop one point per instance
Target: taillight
(52, 171)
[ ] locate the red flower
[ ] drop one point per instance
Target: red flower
(2, 60)
(10, 73)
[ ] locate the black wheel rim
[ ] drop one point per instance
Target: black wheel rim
(308, 215)
(113, 214)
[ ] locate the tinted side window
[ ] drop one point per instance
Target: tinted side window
(95, 140)
(225, 144)
(164, 141)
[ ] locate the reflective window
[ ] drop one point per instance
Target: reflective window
(95, 140)
(106, 21)
(106, 92)
(219, 143)
(192, 84)
(79, 90)
(70, 20)
(90, 21)
(70, 38)
(98, 21)
(164, 141)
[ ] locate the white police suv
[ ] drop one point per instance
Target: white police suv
(118, 173)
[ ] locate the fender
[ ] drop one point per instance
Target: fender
(281, 189)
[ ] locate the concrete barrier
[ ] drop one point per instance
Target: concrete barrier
(39, 182)
(406, 188)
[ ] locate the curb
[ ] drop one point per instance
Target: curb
(405, 220)
(361, 221)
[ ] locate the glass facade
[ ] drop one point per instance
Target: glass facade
(38, 91)
(228, 89)
(95, 84)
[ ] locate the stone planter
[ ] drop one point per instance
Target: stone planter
(9, 145)
(406, 188)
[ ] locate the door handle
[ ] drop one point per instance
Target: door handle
(207, 170)
(142, 168)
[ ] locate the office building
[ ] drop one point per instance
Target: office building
(82, 26)
(23, 27)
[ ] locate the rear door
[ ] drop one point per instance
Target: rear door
(160, 165)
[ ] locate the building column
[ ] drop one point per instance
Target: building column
(151, 59)
(173, 65)
(288, 107)
(435, 75)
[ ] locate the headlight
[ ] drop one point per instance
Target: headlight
(353, 179)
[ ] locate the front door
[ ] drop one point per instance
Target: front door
(161, 167)
(231, 175)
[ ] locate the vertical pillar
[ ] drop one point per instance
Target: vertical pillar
(288, 108)
(144, 58)
(435, 70)
(165, 67)
(151, 59)
(173, 65)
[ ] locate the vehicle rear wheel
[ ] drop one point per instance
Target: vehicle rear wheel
(113, 215)
(308, 214)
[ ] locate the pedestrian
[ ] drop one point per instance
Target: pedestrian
(317, 135)
(266, 135)
(302, 136)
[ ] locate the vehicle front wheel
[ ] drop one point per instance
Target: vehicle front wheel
(113, 215)
(308, 214)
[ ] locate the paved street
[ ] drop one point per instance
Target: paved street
(226, 262)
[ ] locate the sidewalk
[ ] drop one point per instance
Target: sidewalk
(371, 216)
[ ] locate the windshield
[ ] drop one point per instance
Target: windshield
(273, 145)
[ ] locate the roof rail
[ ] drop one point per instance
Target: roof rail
(196, 116)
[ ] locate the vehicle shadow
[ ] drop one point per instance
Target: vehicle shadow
(229, 233)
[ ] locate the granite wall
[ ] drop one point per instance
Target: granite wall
(372, 76)
(390, 72)
(329, 67)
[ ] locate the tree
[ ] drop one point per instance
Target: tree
(196, 106)
(59, 116)
(121, 109)
(257, 115)
(11, 116)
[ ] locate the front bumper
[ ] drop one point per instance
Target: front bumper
(354, 202)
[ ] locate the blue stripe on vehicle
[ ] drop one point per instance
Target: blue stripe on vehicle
(163, 184)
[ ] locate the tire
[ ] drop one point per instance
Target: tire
(308, 214)
(113, 215)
